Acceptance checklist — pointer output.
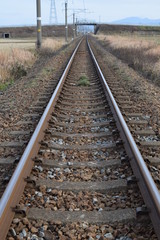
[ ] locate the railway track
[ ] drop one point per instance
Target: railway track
(74, 180)
(21, 114)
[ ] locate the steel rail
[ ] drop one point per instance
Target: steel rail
(145, 181)
(16, 185)
(15, 188)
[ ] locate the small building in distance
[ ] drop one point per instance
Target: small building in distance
(6, 35)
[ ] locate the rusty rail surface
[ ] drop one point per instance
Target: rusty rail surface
(144, 179)
(15, 188)
(17, 183)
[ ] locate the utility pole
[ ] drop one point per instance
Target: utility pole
(74, 26)
(66, 23)
(39, 32)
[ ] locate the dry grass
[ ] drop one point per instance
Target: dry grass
(52, 44)
(13, 64)
(16, 56)
(128, 41)
(7, 44)
(140, 53)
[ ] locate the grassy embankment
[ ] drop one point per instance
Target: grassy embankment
(142, 53)
(16, 56)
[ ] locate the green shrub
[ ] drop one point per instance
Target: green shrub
(18, 71)
(4, 86)
(83, 81)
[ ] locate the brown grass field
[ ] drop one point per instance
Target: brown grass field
(6, 44)
(17, 55)
(141, 52)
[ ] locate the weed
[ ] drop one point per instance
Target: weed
(83, 81)
(126, 78)
(18, 70)
(47, 70)
(4, 86)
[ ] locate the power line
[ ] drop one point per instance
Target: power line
(84, 8)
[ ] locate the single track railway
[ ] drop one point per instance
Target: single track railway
(75, 178)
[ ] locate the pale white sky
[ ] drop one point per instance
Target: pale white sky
(23, 12)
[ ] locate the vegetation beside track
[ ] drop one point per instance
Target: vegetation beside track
(128, 29)
(142, 53)
(14, 63)
(17, 57)
(143, 93)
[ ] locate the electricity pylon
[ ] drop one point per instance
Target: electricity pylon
(53, 13)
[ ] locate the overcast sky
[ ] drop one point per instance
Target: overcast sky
(23, 12)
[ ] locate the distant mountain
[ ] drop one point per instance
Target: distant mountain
(138, 21)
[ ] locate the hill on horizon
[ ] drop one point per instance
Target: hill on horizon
(137, 21)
